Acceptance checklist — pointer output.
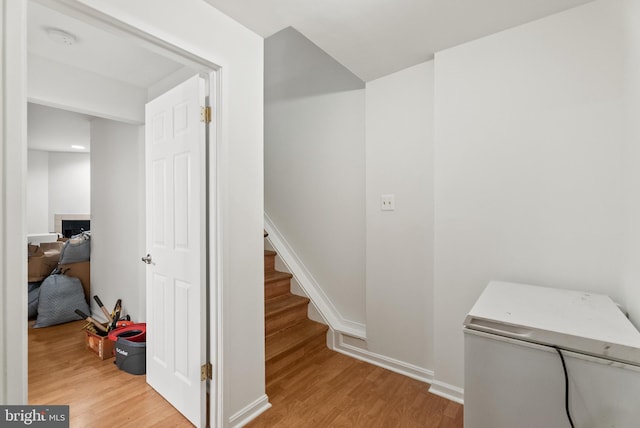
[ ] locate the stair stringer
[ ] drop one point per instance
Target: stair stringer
(305, 280)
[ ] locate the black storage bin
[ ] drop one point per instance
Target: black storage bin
(131, 356)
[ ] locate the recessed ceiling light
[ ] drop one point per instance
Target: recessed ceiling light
(77, 147)
(61, 36)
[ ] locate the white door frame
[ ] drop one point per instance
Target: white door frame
(13, 170)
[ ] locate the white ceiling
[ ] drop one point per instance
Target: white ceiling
(96, 50)
(370, 37)
(373, 38)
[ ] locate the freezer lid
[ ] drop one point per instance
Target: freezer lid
(580, 321)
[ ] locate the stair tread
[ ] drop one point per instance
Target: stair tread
(269, 253)
(282, 303)
(276, 276)
(292, 337)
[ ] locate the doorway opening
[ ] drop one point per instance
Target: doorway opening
(117, 136)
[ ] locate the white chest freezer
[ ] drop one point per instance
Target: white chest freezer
(514, 376)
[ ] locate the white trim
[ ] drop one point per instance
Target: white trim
(310, 286)
(13, 231)
(215, 255)
(445, 390)
(336, 342)
(250, 412)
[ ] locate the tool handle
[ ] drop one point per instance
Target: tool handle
(99, 326)
(82, 314)
(116, 314)
(116, 318)
(106, 314)
(98, 301)
(88, 318)
(103, 309)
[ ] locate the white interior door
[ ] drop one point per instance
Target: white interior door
(176, 238)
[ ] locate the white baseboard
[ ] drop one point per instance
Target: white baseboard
(447, 391)
(249, 412)
(336, 342)
(309, 285)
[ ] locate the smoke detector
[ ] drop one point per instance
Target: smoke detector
(61, 36)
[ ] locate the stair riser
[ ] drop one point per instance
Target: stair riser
(289, 334)
(280, 321)
(278, 365)
(269, 263)
(277, 288)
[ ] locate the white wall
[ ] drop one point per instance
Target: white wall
(38, 192)
(57, 183)
(399, 263)
(208, 33)
(59, 85)
(314, 165)
(170, 81)
(117, 219)
(69, 184)
(528, 165)
(53, 129)
(631, 155)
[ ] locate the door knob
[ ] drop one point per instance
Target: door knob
(147, 259)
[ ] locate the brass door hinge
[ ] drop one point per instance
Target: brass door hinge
(206, 372)
(205, 114)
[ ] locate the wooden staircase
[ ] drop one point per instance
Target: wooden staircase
(289, 333)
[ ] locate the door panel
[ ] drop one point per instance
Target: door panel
(176, 237)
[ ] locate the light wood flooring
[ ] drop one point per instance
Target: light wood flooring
(326, 389)
(63, 371)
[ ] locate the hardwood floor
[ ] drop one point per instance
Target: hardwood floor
(329, 389)
(326, 389)
(63, 371)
